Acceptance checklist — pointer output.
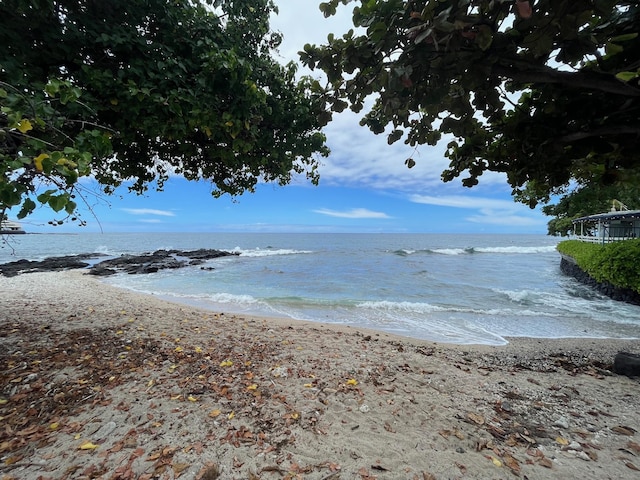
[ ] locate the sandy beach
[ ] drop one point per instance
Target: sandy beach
(103, 383)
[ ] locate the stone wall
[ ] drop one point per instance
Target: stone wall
(569, 267)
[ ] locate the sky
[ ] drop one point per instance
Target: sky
(364, 183)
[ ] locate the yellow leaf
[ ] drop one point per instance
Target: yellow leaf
(214, 413)
(77, 436)
(176, 397)
(119, 332)
(178, 349)
(54, 426)
(308, 385)
(3, 401)
(24, 125)
(150, 383)
(38, 161)
(352, 381)
(191, 398)
(229, 124)
(88, 446)
(231, 415)
(226, 363)
(496, 462)
(172, 368)
(295, 415)
(198, 350)
(562, 441)
(252, 387)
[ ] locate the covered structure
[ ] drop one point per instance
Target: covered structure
(608, 227)
(7, 227)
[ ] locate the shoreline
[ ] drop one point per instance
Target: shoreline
(103, 382)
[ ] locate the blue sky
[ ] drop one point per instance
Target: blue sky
(364, 186)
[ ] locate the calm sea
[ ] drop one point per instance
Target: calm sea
(448, 288)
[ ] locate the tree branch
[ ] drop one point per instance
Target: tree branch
(600, 132)
(587, 81)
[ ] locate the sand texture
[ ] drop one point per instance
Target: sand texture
(102, 383)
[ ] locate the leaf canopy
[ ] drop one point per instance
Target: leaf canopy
(544, 91)
(133, 91)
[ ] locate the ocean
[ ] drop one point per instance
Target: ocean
(464, 289)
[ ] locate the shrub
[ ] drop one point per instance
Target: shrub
(617, 263)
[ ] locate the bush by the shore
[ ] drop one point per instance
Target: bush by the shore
(617, 263)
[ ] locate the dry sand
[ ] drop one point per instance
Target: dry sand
(98, 382)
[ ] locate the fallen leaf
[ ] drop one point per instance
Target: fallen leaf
(562, 441)
(495, 461)
(512, 463)
(352, 381)
(178, 468)
(545, 462)
(633, 446)
(623, 430)
(631, 465)
(214, 413)
(226, 363)
(475, 418)
(88, 446)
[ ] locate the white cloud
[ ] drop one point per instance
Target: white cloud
(149, 211)
(489, 217)
(463, 201)
(491, 211)
(353, 213)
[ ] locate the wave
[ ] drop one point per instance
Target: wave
(474, 250)
(258, 252)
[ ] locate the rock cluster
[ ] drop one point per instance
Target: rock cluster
(132, 264)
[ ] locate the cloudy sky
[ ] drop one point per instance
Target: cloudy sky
(364, 187)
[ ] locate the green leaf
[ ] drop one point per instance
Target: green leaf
(624, 38)
(28, 206)
(58, 202)
(627, 76)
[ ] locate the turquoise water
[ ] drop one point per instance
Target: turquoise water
(451, 288)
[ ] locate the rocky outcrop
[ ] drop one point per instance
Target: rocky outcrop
(569, 267)
(132, 264)
(153, 262)
(51, 264)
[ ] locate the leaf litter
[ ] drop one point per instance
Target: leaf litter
(220, 400)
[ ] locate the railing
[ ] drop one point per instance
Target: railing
(593, 239)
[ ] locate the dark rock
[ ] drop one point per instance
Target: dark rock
(156, 261)
(132, 264)
(569, 267)
(627, 364)
(50, 264)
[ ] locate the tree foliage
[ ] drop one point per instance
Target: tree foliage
(131, 91)
(588, 200)
(541, 90)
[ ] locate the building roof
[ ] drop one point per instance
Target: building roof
(622, 215)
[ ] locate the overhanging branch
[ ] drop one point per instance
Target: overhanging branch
(581, 80)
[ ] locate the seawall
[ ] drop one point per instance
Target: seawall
(568, 266)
